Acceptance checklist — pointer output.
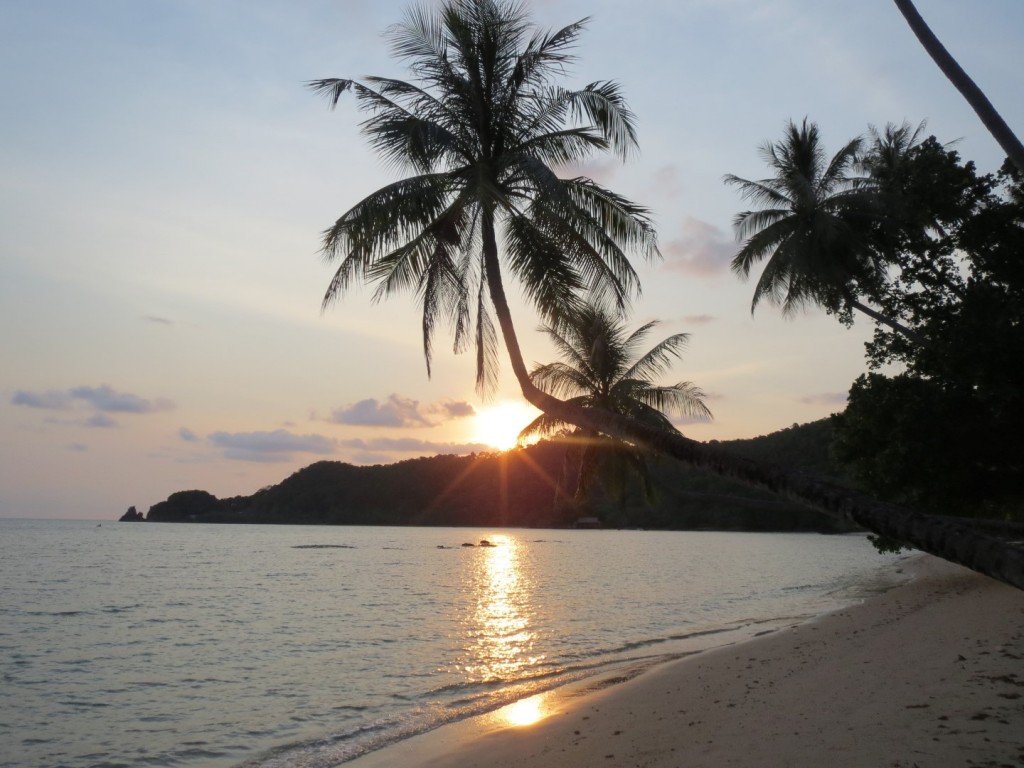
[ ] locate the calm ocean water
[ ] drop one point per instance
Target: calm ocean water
(132, 644)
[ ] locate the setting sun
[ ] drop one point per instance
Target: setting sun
(499, 424)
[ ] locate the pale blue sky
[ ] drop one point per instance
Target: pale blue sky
(166, 177)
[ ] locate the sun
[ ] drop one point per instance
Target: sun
(499, 425)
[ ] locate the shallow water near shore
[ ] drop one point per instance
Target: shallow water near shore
(199, 645)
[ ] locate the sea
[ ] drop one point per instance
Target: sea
(147, 644)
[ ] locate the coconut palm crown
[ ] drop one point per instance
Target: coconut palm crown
(814, 226)
(809, 224)
(481, 129)
(602, 368)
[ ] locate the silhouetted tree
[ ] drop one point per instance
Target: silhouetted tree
(812, 225)
(602, 367)
(483, 127)
(943, 433)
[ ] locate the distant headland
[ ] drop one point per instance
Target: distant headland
(517, 489)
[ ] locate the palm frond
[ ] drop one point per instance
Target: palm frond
(746, 224)
(388, 217)
(486, 346)
(545, 426)
(544, 52)
(332, 88)
(550, 281)
(765, 192)
(836, 174)
(658, 358)
(564, 147)
(439, 289)
(684, 398)
(603, 104)
(595, 228)
(561, 380)
(777, 230)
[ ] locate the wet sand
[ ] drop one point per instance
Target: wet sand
(930, 673)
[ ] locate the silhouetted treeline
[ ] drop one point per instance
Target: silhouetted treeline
(512, 489)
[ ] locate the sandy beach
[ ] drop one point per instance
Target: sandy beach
(930, 673)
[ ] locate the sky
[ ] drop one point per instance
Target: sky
(166, 178)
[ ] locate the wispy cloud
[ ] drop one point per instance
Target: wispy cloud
(400, 412)
(456, 409)
(100, 421)
(277, 446)
(703, 251)
(159, 320)
(49, 401)
(104, 399)
(188, 435)
(699, 319)
(107, 400)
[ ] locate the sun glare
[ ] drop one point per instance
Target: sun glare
(525, 712)
(499, 425)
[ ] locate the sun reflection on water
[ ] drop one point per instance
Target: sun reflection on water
(501, 640)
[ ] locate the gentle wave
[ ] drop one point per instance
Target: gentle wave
(462, 701)
(217, 646)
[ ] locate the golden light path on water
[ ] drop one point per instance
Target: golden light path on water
(501, 639)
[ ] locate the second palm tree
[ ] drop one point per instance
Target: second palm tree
(602, 368)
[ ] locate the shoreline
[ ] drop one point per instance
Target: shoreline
(928, 673)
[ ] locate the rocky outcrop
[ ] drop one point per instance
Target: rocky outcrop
(184, 506)
(132, 516)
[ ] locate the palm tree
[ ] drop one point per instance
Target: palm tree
(886, 159)
(602, 369)
(482, 127)
(813, 225)
(482, 131)
(956, 75)
(907, 217)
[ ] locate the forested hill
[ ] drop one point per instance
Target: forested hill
(802, 446)
(516, 489)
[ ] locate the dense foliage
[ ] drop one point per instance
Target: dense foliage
(943, 433)
(904, 232)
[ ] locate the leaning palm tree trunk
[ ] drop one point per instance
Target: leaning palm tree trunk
(1009, 142)
(908, 333)
(948, 539)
